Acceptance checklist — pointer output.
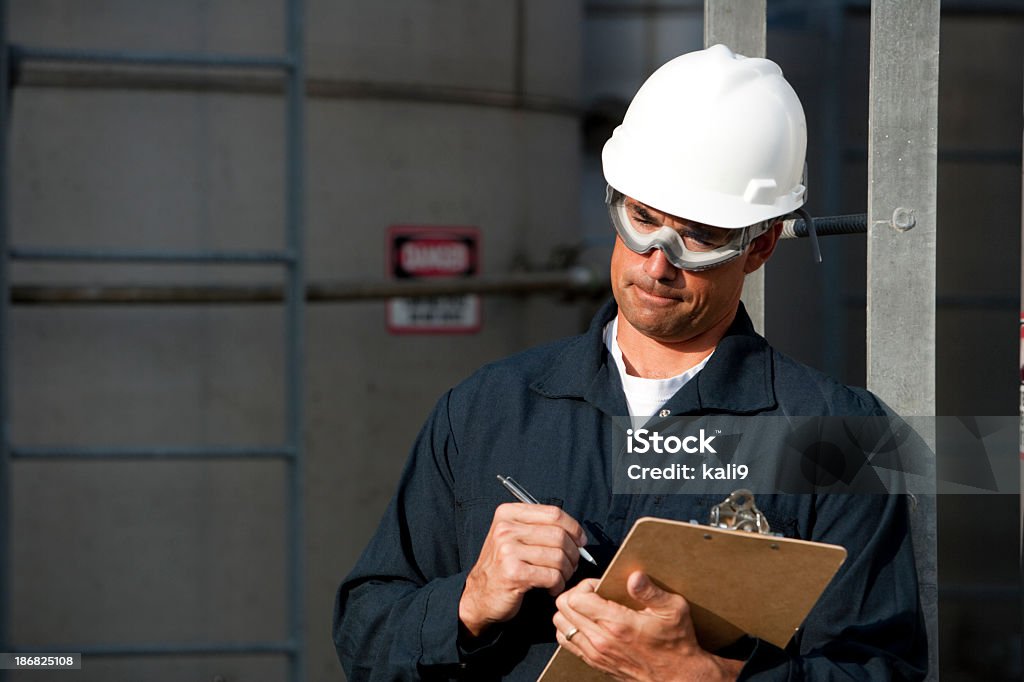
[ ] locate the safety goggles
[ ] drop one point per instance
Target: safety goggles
(694, 247)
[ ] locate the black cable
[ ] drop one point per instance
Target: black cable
(854, 223)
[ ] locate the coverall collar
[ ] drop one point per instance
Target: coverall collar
(737, 378)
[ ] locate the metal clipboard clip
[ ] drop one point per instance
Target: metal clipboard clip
(738, 512)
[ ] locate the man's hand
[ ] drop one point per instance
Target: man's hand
(528, 546)
(656, 643)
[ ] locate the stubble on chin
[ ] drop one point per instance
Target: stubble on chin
(667, 323)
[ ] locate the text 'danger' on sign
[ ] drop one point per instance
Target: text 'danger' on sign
(428, 252)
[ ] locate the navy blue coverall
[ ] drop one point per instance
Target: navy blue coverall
(545, 417)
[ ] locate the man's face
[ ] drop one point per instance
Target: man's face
(672, 305)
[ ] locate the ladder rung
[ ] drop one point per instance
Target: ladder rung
(150, 58)
(150, 256)
(151, 452)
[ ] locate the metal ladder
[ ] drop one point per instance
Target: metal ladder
(291, 258)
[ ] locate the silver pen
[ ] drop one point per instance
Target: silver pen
(524, 496)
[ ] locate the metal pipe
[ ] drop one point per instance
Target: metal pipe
(90, 77)
(573, 281)
(20, 54)
(148, 256)
(578, 281)
(178, 294)
(154, 453)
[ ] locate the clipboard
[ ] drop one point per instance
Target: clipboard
(736, 582)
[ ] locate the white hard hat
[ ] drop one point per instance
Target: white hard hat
(713, 137)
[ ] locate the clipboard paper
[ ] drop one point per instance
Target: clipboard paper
(736, 583)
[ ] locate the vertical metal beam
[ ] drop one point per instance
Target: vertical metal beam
(902, 129)
(902, 121)
(5, 455)
(740, 24)
(294, 333)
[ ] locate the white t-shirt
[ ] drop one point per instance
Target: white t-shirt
(645, 396)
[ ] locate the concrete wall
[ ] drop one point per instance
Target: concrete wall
(189, 551)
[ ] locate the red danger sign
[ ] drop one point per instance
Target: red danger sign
(428, 252)
(416, 252)
(433, 257)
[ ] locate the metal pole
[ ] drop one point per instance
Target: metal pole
(295, 337)
(5, 484)
(902, 203)
(902, 130)
(740, 24)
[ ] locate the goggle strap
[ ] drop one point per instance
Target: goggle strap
(752, 232)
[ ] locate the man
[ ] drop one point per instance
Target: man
(461, 583)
